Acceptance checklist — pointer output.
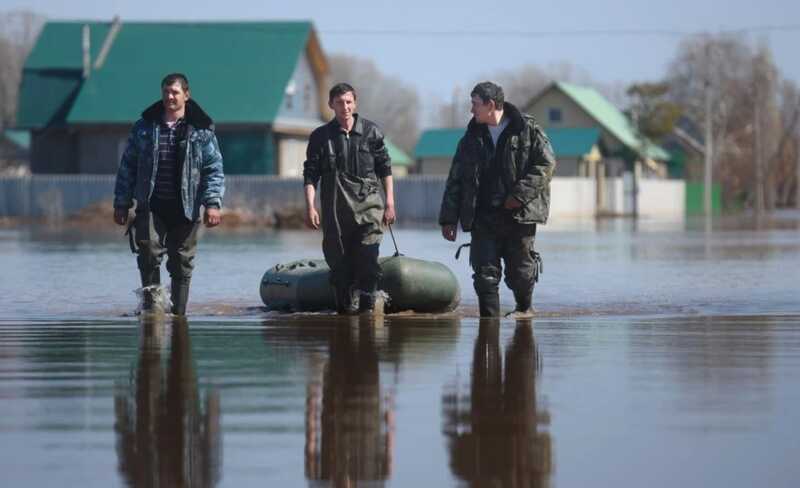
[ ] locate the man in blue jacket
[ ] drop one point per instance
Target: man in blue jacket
(171, 166)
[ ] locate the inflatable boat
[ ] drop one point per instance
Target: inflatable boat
(410, 284)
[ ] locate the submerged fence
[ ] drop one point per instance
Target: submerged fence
(418, 197)
(58, 196)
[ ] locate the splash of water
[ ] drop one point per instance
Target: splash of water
(153, 299)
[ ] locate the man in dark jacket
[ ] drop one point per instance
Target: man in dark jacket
(499, 189)
(349, 157)
(171, 166)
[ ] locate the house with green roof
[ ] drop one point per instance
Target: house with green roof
(434, 150)
(564, 105)
(14, 150)
(85, 83)
(576, 148)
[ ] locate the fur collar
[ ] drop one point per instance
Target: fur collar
(515, 120)
(194, 116)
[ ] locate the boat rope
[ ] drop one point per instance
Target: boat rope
(391, 232)
(458, 251)
(129, 233)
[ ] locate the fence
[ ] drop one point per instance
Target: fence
(418, 197)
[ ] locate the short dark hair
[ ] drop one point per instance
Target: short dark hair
(486, 90)
(171, 78)
(340, 89)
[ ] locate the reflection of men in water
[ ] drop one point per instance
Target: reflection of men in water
(499, 189)
(351, 439)
(349, 156)
(163, 436)
(171, 166)
(493, 440)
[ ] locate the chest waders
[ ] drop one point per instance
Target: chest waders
(352, 209)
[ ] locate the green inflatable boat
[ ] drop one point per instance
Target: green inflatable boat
(411, 284)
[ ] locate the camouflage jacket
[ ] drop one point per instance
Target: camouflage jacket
(202, 181)
(527, 165)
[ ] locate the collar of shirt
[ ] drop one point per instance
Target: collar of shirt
(174, 125)
(358, 126)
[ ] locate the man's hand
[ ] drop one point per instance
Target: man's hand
(312, 218)
(449, 232)
(212, 217)
(512, 203)
(388, 214)
(121, 216)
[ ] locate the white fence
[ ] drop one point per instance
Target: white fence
(418, 197)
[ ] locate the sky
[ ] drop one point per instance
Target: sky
(438, 45)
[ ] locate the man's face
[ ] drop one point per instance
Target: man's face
(482, 111)
(174, 97)
(344, 106)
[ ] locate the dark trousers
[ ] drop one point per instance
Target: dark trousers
(498, 239)
(353, 262)
(163, 229)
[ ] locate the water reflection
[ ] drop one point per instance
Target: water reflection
(494, 435)
(167, 435)
(349, 415)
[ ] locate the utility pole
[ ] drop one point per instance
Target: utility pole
(797, 171)
(757, 149)
(454, 107)
(709, 146)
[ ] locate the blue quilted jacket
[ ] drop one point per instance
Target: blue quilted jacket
(202, 177)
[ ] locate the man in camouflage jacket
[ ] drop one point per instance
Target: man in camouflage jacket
(499, 189)
(171, 166)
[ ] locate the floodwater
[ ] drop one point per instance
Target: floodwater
(661, 355)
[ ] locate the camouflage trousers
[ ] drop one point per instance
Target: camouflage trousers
(496, 240)
(165, 231)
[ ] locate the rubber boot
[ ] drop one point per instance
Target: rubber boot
(149, 278)
(366, 303)
(180, 295)
(489, 304)
(345, 303)
(524, 309)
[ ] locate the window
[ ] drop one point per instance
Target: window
(554, 115)
(291, 88)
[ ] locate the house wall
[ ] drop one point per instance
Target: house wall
(291, 155)
(567, 166)
(301, 99)
(434, 166)
(572, 115)
(247, 150)
(54, 150)
(100, 149)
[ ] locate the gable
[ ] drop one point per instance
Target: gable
(586, 104)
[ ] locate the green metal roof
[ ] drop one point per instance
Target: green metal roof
(237, 70)
(21, 138)
(610, 117)
(573, 141)
(438, 143)
(60, 45)
(442, 143)
(399, 157)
